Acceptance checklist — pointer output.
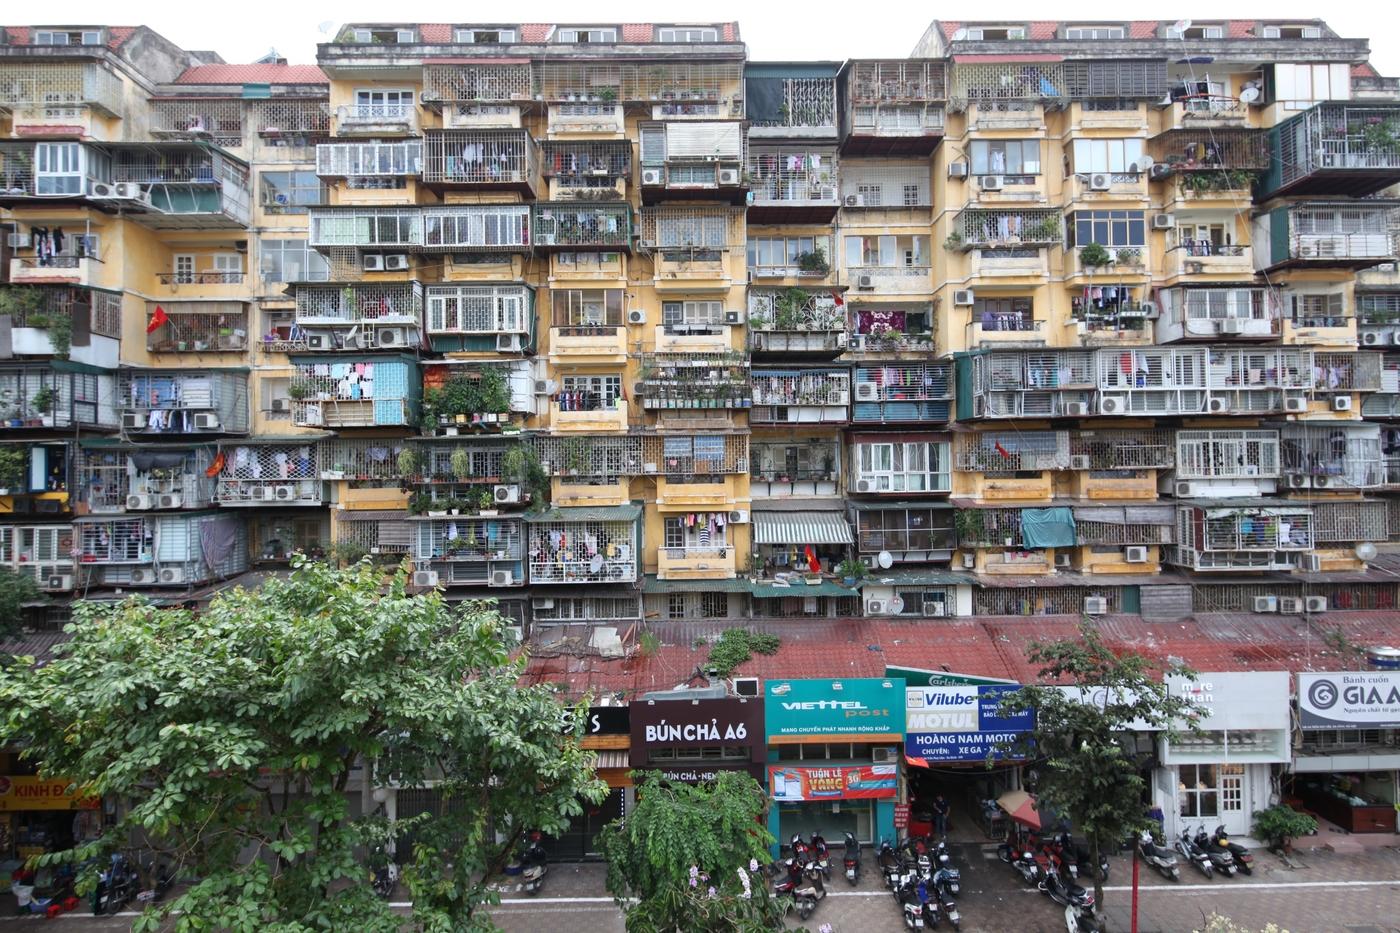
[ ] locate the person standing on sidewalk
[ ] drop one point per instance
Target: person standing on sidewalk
(940, 816)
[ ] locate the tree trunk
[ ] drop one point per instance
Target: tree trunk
(1098, 881)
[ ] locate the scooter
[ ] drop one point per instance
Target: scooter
(788, 883)
(1022, 861)
(1078, 857)
(1066, 893)
(947, 882)
(1081, 920)
(1220, 856)
(928, 903)
(1162, 859)
(115, 887)
(821, 855)
(851, 861)
(909, 906)
(1243, 859)
(940, 854)
(1188, 850)
(800, 850)
(536, 866)
(808, 896)
(386, 878)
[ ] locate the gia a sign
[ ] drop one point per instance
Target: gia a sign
(1349, 700)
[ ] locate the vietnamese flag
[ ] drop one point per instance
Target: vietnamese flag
(157, 319)
(1003, 451)
(217, 466)
(836, 297)
(812, 562)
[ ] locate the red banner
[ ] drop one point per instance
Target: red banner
(854, 782)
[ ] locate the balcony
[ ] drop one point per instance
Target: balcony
(480, 318)
(785, 106)
(374, 391)
(367, 228)
(569, 417)
(54, 270)
(584, 545)
(795, 321)
(1208, 313)
(795, 468)
(894, 107)
(1202, 257)
(680, 492)
(571, 227)
(1018, 262)
(1319, 235)
(1337, 149)
(82, 167)
(185, 187)
(793, 184)
(156, 403)
(696, 563)
(481, 552)
(482, 160)
(490, 229)
(996, 115)
(1196, 112)
(902, 393)
(587, 169)
(911, 533)
(1225, 463)
(198, 327)
(212, 120)
(261, 474)
(1005, 329)
(689, 269)
(1249, 537)
(376, 120)
(659, 84)
(381, 315)
(891, 280)
(693, 336)
(59, 97)
(978, 228)
(1125, 266)
(364, 164)
(890, 330)
(159, 550)
(490, 80)
(681, 381)
(599, 119)
(1229, 151)
(76, 396)
(152, 478)
(801, 396)
(41, 552)
(692, 160)
(1331, 458)
(587, 325)
(1028, 384)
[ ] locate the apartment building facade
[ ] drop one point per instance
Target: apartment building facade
(610, 323)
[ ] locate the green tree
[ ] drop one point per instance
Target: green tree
(1088, 771)
(681, 851)
(231, 736)
(16, 589)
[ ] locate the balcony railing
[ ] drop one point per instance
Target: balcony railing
(219, 121)
(360, 302)
(980, 228)
(1337, 147)
(892, 280)
(696, 380)
(564, 226)
(369, 160)
(1196, 150)
(482, 158)
(801, 397)
(199, 327)
(39, 87)
(793, 176)
(1337, 456)
(378, 118)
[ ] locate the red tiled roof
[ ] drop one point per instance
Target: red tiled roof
(1364, 70)
(991, 646)
(637, 32)
(1142, 29)
(435, 32)
(1043, 30)
(252, 74)
(116, 35)
(534, 32)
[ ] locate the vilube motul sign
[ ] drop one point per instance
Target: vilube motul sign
(1349, 700)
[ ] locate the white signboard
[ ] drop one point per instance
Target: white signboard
(1349, 700)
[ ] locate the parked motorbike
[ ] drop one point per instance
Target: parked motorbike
(851, 861)
(1193, 854)
(947, 882)
(1081, 920)
(808, 896)
(941, 857)
(1021, 861)
(115, 887)
(910, 906)
(1220, 858)
(791, 876)
(1066, 893)
(1243, 860)
(821, 855)
(928, 903)
(535, 866)
(1080, 859)
(800, 850)
(1158, 857)
(949, 879)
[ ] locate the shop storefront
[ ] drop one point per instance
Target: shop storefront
(607, 733)
(1225, 771)
(692, 740)
(833, 756)
(39, 815)
(1345, 764)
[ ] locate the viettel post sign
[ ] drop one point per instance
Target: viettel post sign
(859, 709)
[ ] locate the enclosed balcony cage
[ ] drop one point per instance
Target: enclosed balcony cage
(479, 309)
(366, 162)
(173, 550)
(601, 460)
(896, 82)
(199, 327)
(468, 539)
(1350, 521)
(975, 82)
(561, 225)
(477, 228)
(1244, 537)
(1227, 454)
(918, 532)
(580, 164)
(793, 174)
(666, 82)
(801, 396)
(292, 118)
(981, 229)
(160, 402)
(360, 303)
(677, 228)
(368, 462)
(78, 396)
(217, 120)
(258, 473)
(597, 546)
(1200, 150)
(696, 380)
(387, 228)
(33, 89)
(184, 183)
(1327, 456)
(121, 479)
(1121, 450)
(1112, 526)
(902, 392)
(794, 310)
(489, 158)
(499, 80)
(1011, 451)
(44, 553)
(381, 532)
(791, 103)
(885, 183)
(1336, 148)
(350, 393)
(691, 458)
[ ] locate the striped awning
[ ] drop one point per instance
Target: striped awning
(614, 758)
(801, 528)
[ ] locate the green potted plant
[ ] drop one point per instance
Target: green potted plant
(851, 571)
(299, 389)
(813, 262)
(486, 502)
(1093, 255)
(14, 460)
(461, 464)
(1280, 824)
(953, 242)
(408, 462)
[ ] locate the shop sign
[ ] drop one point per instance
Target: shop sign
(734, 723)
(36, 793)
(852, 782)
(1349, 700)
(606, 720)
(829, 708)
(703, 772)
(914, 676)
(1256, 700)
(901, 815)
(961, 723)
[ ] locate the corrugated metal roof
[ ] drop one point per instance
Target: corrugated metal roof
(825, 588)
(652, 585)
(909, 576)
(589, 513)
(801, 528)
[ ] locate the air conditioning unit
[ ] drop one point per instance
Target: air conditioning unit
(1135, 555)
(969, 561)
(284, 493)
(649, 468)
(964, 297)
(738, 517)
(1315, 604)
(1232, 325)
(172, 575)
(138, 503)
(1162, 221)
(1310, 563)
(1371, 338)
(1149, 309)
(1110, 405)
(508, 495)
(425, 578)
(265, 493)
(729, 176)
(508, 343)
(1184, 490)
(636, 317)
(867, 392)
(1077, 409)
(1217, 406)
(373, 262)
(746, 686)
(1079, 462)
(734, 317)
(1095, 605)
(59, 581)
(1289, 605)
(1296, 480)
(1064, 561)
(134, 421)
(1159, 171)
(143, 575)
(501, 578)
(865, 281)
(127, 191)
(651, 176)
(1322, 482)
(887, 754)
(1266, 604)
(542, 602)
(282, 404)
(854, 200)
(206, 421)
(312, 416)
(1100, 182)
(317, 342)
(390, 337)
(957, 169)
(102, 191)
(172, 501)
(396, 262)
(1295, 403)
(875, 607)
(544, 387)
(1341, 403)
(17, 240)
(990, 182)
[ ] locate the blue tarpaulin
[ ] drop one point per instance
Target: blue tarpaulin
(1047, 528)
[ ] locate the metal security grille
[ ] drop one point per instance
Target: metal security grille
(286, 474)
(580, 164)
(561, 80)
(369, 159)
(376, 532)
(1349, 522)
(467, 539)
(1123, 450)
(582, 552)
(1009, 81)
(365, 461)
(367, 227)
(707, 454)
(699, 227)
(999, 228)
(219, 121)
(479, 157)
(1141, 78)
(1340, 455)
(1331, 136)
(586, 609)
(793, 174)
(897, 82)
(116, 541)
(199, 327)
(1011, 451)
(795, 607)
(806, 102)
(283, 117)
(604, 459)
(478, 309)
(1042, 600)
(33, 87)
(359, 302)
(1227, 454)
(495, 81)
(483, 464)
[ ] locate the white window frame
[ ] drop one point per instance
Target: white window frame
(693, 313)
(885, 464)
(604, 35)
(607, 386)
(225, 264)
(468, 36)
(1275, 31)
(445, 306)
(377, 97)
(1095, 32)
(688, 34)
(1111, 155)
(1197, 32)
(980, 34)
(59, 161)
(183, 266)
(1299, 86)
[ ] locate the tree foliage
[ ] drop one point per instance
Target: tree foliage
(16, 589)
(233, 735)
(681, 852)
(737, 645)
(1088, 770)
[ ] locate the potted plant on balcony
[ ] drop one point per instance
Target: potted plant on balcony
(461, 464)
(485, 503)
(1093, 255)
(408, 462)
(851, 571)
(14, 460)
(953, 242)
(814, 262)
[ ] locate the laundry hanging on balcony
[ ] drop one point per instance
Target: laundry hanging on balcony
(1042, 528)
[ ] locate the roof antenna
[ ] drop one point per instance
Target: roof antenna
(271, 58)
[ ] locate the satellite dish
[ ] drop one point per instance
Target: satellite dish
(1181, 26)
(1365, 551)
(325, 27)
(959, 35)
(1249, 95)
(896, 606)
(885, 559)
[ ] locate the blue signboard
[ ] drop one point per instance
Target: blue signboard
(960, 723)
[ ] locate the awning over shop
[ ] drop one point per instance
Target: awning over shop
(824, 588)
(614, 758)
(592, 513)
(801, 528)
(652, 586)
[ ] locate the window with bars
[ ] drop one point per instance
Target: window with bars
(904, 530)
(691, 34)
(589, 393)
(477, 228)
(586, 609)
(291, 261)
(696, 532)
(1325, 310)
(687, 316)
(465, 309)
(585, 308)
(1378, 308)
